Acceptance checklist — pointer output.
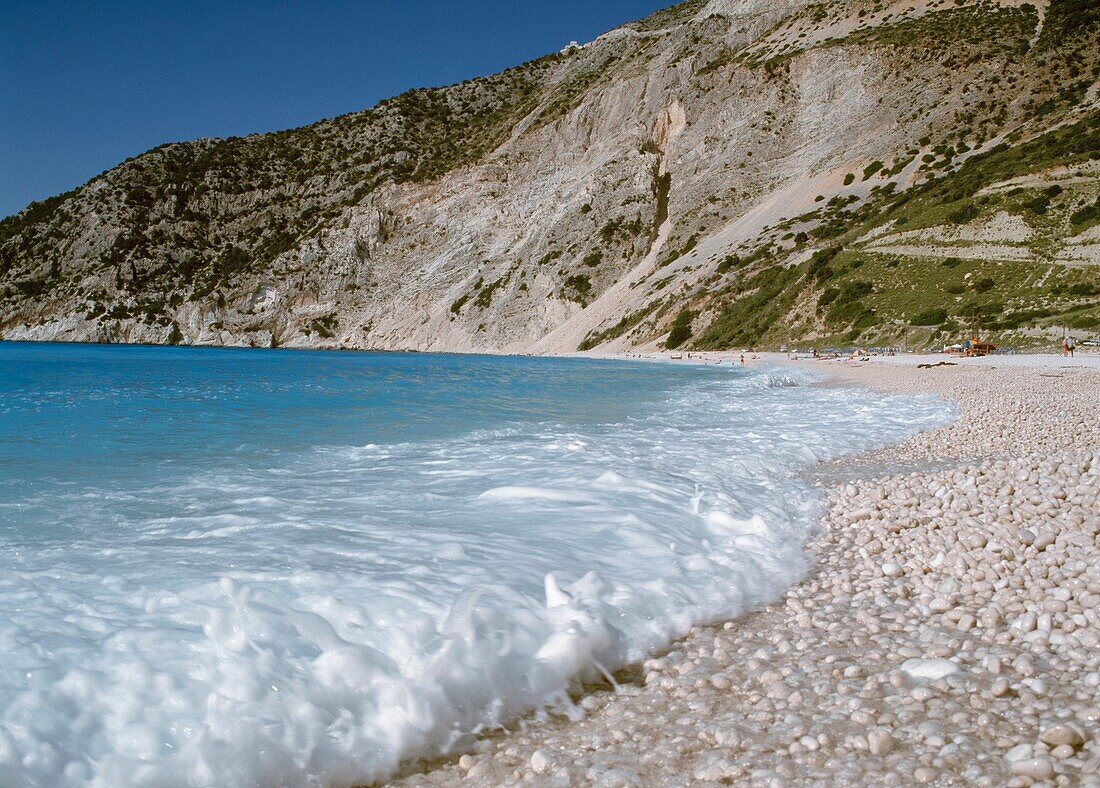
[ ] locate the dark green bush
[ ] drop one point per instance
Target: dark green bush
(485, 297)
(1086, 215)
(728, 262)
(929, 317)
(844, 312)
(743, 320)
(456, 307)
(1038, 204)
(964, 213)
(865, 319)
(580, 285)
(818, 267)
(681, 329)
(871, 169)
(857, 288)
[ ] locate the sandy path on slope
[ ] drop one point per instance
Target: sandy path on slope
(948, 634)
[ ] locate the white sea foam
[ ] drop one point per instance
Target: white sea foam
(535, 494)
(322, 619)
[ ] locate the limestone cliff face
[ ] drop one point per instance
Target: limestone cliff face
(583, 199)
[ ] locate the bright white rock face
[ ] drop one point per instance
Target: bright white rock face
(246, 567)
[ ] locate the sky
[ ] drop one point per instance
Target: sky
(85, 85)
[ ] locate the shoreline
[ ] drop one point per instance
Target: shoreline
(1028, 353)
(911, 652)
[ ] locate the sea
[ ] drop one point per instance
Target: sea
(249, 567)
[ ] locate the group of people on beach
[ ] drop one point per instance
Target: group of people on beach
(1068, 346)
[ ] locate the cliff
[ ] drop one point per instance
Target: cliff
(742, 171)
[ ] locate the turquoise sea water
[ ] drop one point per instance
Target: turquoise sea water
(112, 418)
(241, 567)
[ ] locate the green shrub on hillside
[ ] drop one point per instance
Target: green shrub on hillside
(728, 262)
(819, 263)
(456, 307)
(1038, 205)
(1088, 215)
(744, 319)
(854, 289)
(929, 317)
(625, 324)
(485, 296)
(964, 213)
(578, 288)
(681, 329)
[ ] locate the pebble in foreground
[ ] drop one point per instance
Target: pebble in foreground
(948, 634)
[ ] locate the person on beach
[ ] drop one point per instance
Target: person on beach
(1065, 347)
(742, 359)
(1070, 345)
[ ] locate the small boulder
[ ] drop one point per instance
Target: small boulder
(1035, 768)
(540, 762)
(928, 669)
(1056, 735)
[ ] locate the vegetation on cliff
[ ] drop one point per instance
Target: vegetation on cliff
(953, 151)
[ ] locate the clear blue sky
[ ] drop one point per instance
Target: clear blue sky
(84, 85)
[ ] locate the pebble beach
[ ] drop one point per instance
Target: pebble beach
(947, 634)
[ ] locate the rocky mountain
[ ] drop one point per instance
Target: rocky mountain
(722, 173)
